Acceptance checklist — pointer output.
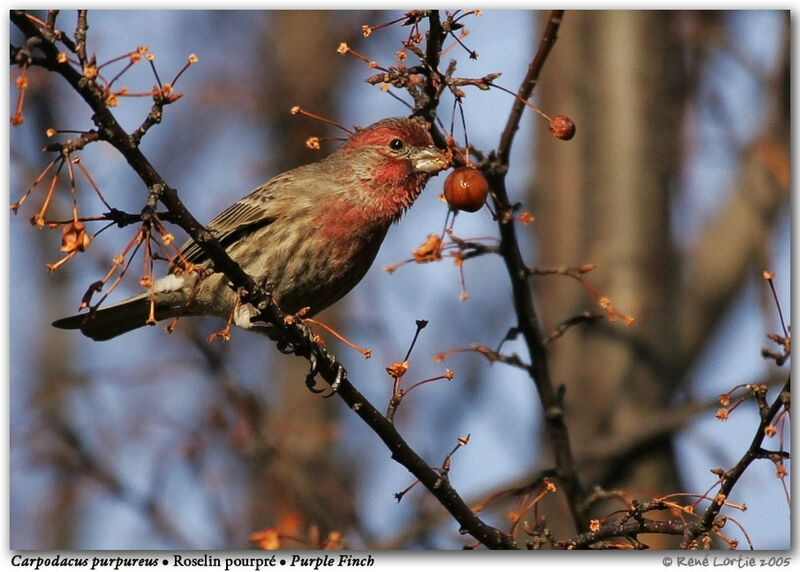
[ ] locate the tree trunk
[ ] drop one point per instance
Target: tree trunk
(604, 199)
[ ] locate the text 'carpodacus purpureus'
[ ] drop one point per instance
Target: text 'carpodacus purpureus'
(311, 233)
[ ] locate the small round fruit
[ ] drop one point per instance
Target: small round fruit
(562, 127)
(466, 189)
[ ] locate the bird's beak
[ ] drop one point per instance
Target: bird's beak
(430, 160)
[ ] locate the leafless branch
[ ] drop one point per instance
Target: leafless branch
(296, 337)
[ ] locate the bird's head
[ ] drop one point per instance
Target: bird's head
(393, 159)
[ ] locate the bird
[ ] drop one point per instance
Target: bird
(309, 234)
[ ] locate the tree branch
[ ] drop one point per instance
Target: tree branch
(526, 89)
(755, 451)
(294, 333)
(528, 320)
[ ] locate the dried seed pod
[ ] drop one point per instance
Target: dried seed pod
(562, 127)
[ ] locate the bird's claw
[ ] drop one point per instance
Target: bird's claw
(311, 384)
(312, 372)
(341, 373)
(285, 346)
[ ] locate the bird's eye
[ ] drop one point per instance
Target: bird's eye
(397, 144)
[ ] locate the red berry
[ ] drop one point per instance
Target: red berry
(562, 127)
(466, 189)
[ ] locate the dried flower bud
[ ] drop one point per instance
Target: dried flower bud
(428, 251)
(397, 369)
(90, 71)
(74, 237)
(526, 218)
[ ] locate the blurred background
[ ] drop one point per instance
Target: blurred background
(676, 185)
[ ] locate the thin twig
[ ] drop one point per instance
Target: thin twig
(526, 89)
(732, 476)
(295, 334)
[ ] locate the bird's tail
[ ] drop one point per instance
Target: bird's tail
(112, 321)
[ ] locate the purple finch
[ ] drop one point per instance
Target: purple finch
(310, 233)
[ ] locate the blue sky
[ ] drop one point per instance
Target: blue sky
(493, 455)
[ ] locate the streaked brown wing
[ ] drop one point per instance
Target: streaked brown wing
(241, 217)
